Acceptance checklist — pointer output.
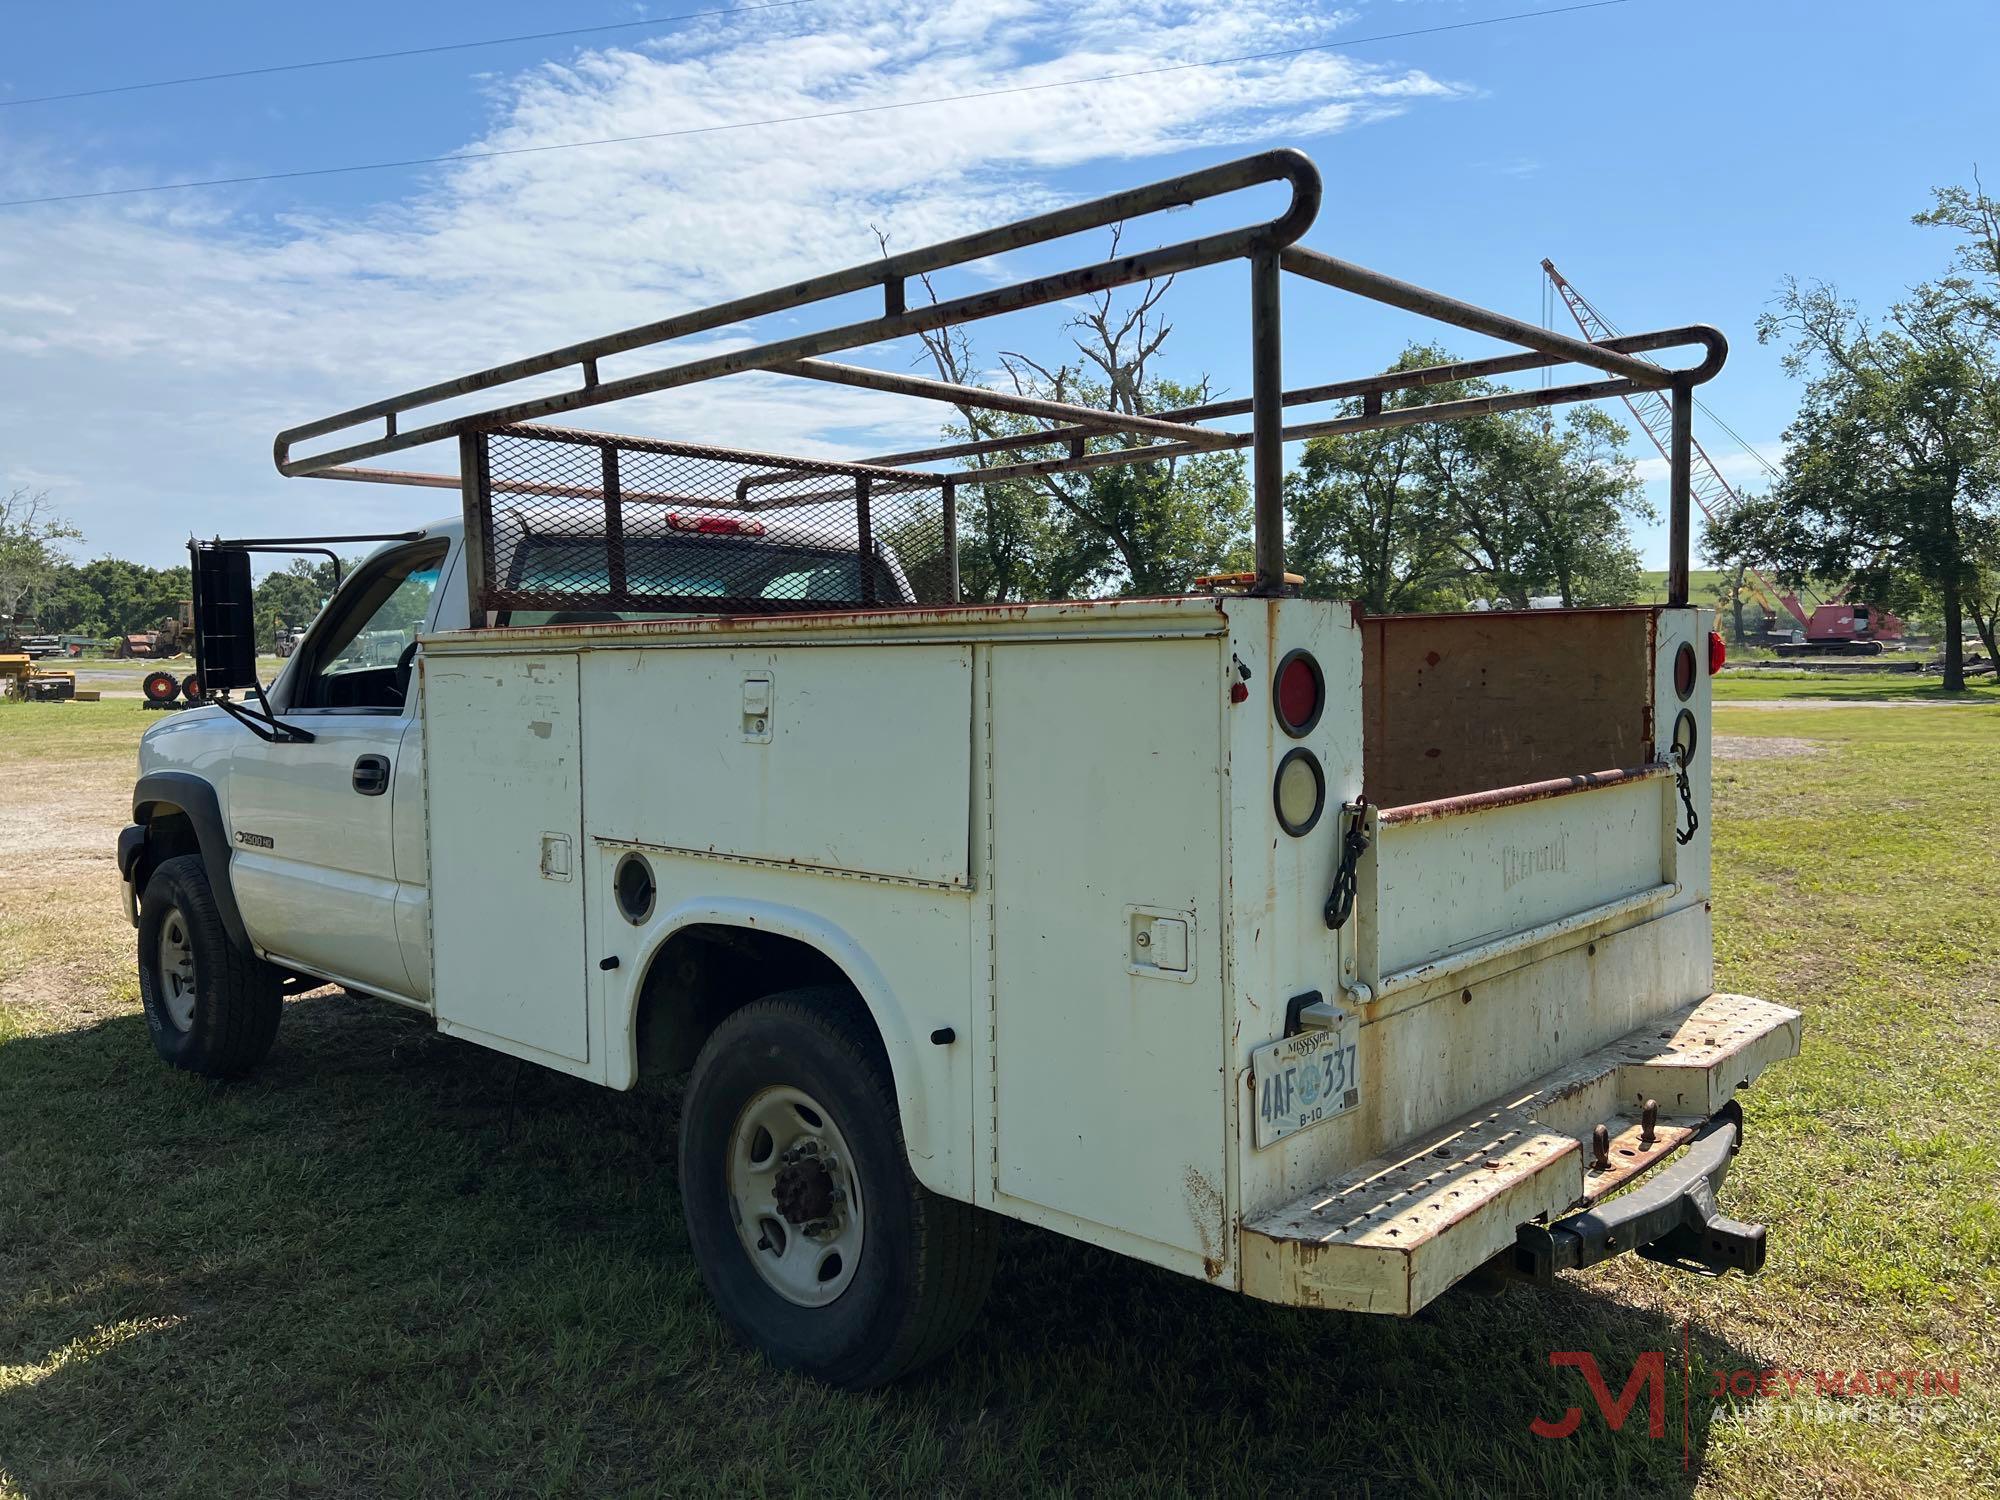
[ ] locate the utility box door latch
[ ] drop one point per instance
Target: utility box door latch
(1161, 943)
(757, 707)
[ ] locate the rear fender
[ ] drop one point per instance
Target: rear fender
(909, 1062)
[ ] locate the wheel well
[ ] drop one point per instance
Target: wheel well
(169, 832)
(707, 970)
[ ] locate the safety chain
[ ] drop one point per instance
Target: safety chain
(1340, 901)
(1687, 798)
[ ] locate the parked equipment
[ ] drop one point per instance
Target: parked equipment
(1839, 629)
(172, 636)
(20, 677)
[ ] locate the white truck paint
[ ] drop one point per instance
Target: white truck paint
(1039, 842)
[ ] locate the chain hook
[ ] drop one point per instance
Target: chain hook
(1340, 900)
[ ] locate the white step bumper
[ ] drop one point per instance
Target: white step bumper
(1399, 1230)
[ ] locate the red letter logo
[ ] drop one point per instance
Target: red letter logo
(1648, 1369)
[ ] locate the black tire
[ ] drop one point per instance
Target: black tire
(925, 1261)
(161, 687)
(191, 688)
(237, 1000)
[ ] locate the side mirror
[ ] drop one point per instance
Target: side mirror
(225, 625)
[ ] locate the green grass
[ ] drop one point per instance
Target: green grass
(29, 731)
(1702, 584)
(1767, 683)
(350, 1276)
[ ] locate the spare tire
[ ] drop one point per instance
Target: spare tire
(161, 687)
(191, 688)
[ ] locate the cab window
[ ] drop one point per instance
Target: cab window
(361, 660)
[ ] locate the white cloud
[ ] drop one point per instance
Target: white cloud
(152, 346)
(1744, 470)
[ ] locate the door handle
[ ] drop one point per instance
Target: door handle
(371, 775)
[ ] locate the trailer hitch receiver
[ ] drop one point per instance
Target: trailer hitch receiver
(1671, 1218)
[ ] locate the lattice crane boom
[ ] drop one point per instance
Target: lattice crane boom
(1654, 413)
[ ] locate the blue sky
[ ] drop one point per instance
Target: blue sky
(1675, 159)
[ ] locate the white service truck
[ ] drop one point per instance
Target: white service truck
(1327, 958)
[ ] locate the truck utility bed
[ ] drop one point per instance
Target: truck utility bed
(1048, 830)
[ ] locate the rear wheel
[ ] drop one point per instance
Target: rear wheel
(211, 1007)
(816, 1241)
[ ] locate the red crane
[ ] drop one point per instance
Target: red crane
(1831, 629)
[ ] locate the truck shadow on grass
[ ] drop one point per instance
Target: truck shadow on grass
(347, 1274)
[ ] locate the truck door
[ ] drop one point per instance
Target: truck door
(315, 864)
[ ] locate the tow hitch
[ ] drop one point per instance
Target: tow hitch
(1671, 1217)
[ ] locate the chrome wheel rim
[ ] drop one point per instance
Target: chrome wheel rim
(177, 970)
(795, 1196)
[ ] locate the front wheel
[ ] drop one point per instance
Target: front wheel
(816, 1241)
(211, 1007)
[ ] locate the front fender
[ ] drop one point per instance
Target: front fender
(915, 1065)
(186, 793)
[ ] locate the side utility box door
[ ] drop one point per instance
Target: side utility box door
(1106, 766)
(502, 760)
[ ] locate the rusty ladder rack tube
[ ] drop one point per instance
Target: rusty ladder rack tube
(1269, 247)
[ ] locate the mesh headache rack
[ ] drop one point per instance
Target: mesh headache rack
(580, 524)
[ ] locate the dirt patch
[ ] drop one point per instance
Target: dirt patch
(64, 933)
(69, 810)
(1763, 747)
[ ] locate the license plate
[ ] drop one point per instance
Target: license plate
(1304, 1079)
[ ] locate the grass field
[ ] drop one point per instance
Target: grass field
(1702, 584)
(351, 1275)
(1767, 683)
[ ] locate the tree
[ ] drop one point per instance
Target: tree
(290, 597)
(1982, 602)
(109, 596)
(1581, 488)
(1143, 528)
(1892, 478)
(31, 555)
(1429, 515)
(1972, 286)
(1365, 524)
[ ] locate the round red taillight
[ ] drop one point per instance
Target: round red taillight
(1684, 671)
(1298, 693)
(1718, 653)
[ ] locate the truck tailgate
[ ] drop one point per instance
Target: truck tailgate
(1456, 882)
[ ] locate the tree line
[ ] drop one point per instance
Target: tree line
(107, 597)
